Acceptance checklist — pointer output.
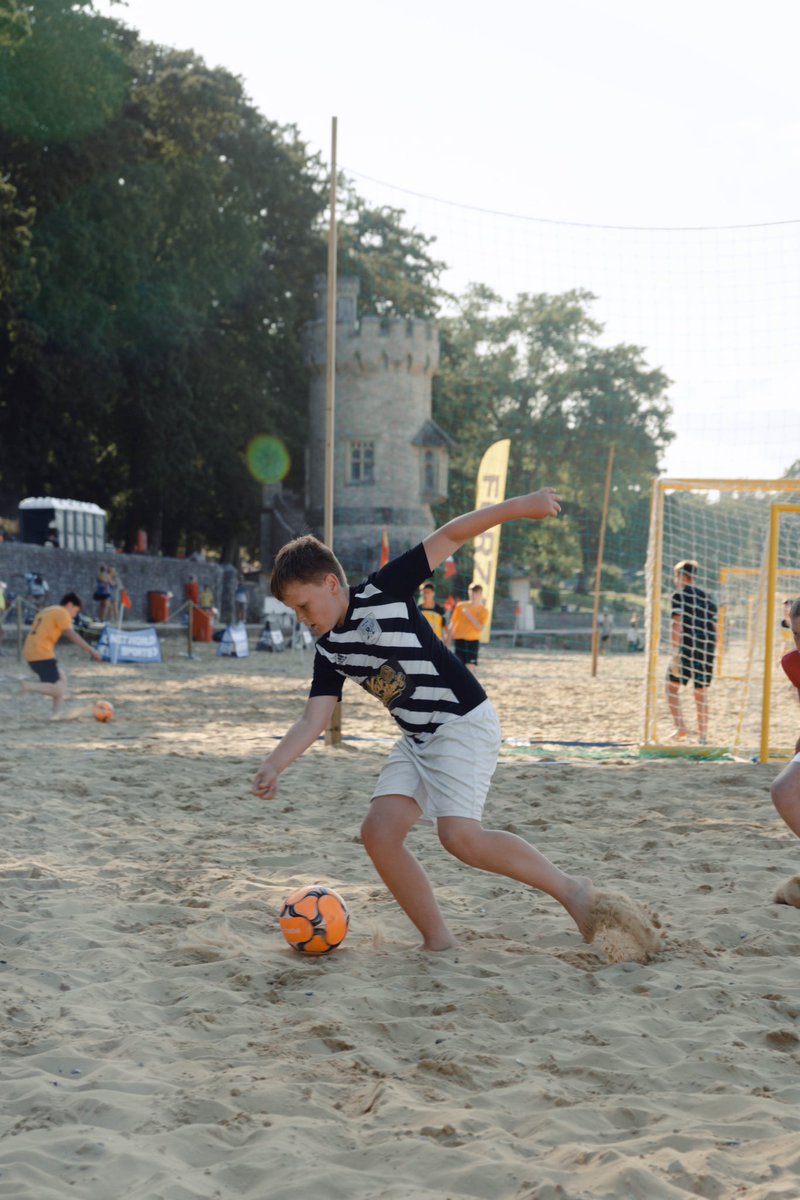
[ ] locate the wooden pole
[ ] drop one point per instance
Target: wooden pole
(772, 588)
(655, 560)
(330, 360)
(19, 628)
(333, 734)
(599, 568)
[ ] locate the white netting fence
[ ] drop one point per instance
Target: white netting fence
(716, 308)
(770, 713)
(724, 526)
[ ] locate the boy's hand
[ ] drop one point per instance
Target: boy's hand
(265, 784)
(544, 503)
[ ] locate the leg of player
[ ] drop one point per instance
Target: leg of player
(701, 703)
(385, 827)
(56, 691)
(674, 702)
(506, 854)
(785, 792)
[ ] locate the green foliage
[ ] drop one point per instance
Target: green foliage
(534, 371)
(15, 24)
(397, 275)
(59, 79)
(156, 286)
(549, 596)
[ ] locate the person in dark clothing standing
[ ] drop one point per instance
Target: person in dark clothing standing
(693, 642)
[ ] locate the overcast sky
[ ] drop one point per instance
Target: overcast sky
(596, 112)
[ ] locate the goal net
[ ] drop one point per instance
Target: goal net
(745, 537)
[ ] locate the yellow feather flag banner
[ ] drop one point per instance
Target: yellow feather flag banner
(491, 489)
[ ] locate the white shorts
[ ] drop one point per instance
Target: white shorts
(449, 774)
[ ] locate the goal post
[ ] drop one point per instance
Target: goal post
(783, 547)
(745, 537)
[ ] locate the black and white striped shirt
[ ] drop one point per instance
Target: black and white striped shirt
(388, 647)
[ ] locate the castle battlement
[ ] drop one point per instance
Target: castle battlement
(375, 344)
(371, 344)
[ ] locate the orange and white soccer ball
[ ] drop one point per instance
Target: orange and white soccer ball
(103, 711)
(314, 920)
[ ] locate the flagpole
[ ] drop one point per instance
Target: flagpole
(333, 734)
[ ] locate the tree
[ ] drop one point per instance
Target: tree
(167, 252)
(397, 275)
(15, 24)
(533, 371)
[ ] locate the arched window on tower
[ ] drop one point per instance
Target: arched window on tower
(430, 473)
(432, 445)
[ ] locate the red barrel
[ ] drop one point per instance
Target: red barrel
(158, 606)
(193, 591)
(202, 625)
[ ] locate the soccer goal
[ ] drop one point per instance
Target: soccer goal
(745, 537)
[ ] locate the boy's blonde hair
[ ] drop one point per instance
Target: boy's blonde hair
(687, 566)
(305, 560)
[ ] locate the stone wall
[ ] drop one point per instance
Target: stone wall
(75, 570)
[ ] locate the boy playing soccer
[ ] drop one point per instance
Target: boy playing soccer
(441, 767)
(49, 625)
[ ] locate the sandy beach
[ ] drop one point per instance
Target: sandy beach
(160, 1041)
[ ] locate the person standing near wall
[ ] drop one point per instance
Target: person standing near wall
(433, 613)
(466, 624)
(240, 602)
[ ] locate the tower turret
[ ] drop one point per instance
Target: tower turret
(390, 456)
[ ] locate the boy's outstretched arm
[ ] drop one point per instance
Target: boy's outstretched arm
(315, 720)
(72, 636)
(452, 536)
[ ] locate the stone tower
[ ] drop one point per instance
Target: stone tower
(390, 456)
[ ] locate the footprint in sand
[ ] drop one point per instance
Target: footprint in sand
(788, 892)
(625, 929)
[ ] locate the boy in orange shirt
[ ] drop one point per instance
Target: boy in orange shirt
(466, 623)
(49, 625)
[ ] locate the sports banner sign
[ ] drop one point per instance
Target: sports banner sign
(234, 644)
(129, 645)
(491, 489)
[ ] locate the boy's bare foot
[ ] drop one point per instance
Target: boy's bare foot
(435, 945)
(678, 734)
(578, 904)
